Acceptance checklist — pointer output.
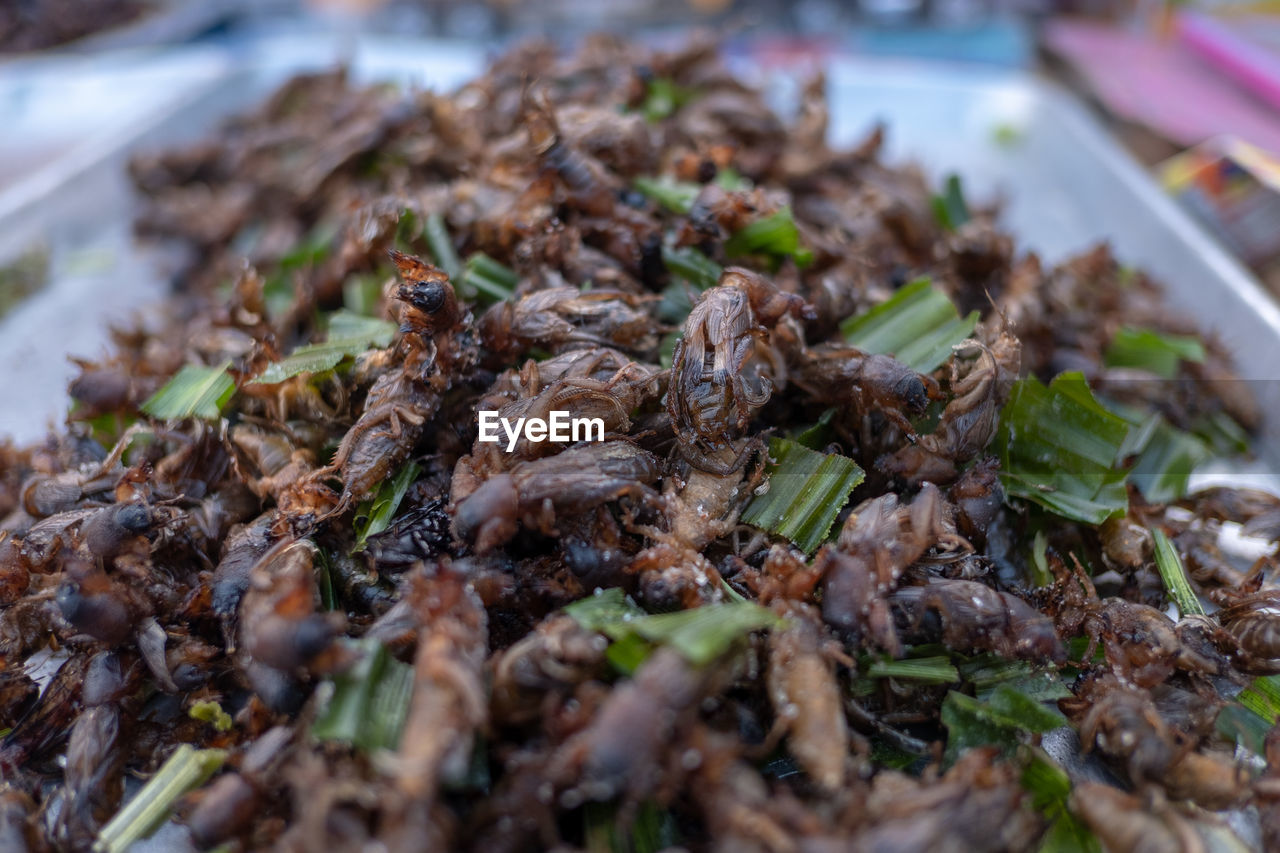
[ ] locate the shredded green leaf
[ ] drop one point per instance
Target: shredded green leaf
(349, 335)
(440, 244)
(776, 236)
(1243, 727)
(1050, 788)
(1000, 720)
(1262, 697)
(931, 670)
(486, 280)
(692, 266)
(701, 635)
(1059, 448)
(676, 196)
(730, 179)
(1163, 468)
(806, 492)
(375, 513)
(210, 712)
(1174, 576)
(187, 768)
(950, 208)
(368, 704)
(817, 436)
(663, 97)
(1152, 351)
(193, 392)
(918, 325)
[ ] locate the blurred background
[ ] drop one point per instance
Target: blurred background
(1190, 89)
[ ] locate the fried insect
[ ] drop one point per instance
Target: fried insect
(972, 616)
(566, 318)
(878, 541)
(534, 493)
(398, 406)
(723, 368)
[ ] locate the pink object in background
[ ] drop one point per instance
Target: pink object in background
(1163, 85)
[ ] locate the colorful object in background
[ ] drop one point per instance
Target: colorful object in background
(1234, 187)
(1163, 85)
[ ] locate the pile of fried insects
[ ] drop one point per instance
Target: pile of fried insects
(887, 546)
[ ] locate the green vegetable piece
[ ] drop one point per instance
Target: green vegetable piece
(918, 325)
(692, 266)
(931, 670)
(193, 392)
(663, 97)
(486, 280)
(1174, 576)
(349, 335)
(374, 514)
(186, 769)
(367, 705)
(806, 492)
(775, 236)
(676, 196)
(1152, 351)
(441, 246)
(950, 208)
(211, 712)
(1059, 448)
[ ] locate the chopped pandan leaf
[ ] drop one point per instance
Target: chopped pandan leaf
(486, 280)
(663, 97)
(186, 769)
(676, 196)
(1238, 725)
(692, 266)
(1001, 720)
(368, 704)
(730, 179)
(210, 712)
(193, 392)
(1165, 457)
(1222, 434)
(1175, 576)
(1152, 351)
(950, 208)
(806, 491)
(604, 610)
(775, 236)
(349, 335)
(440, 244)
(932, 670)
(918, 325)
(1059, 448)
(817, 436)
(375, 513)
(700, 635)
(1262, 697)
(705, 633)
(1050, 788)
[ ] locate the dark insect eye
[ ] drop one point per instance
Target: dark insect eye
(911, 391)
(134, 517)
(428, 296)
